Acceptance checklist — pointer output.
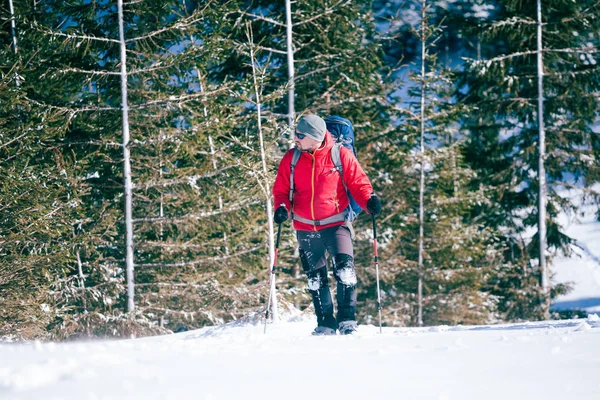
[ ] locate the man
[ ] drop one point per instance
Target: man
(318, 208)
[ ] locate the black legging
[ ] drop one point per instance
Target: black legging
(337, 242)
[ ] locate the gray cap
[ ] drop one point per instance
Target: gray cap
(313, 126)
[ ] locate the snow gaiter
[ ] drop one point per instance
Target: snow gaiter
(345, 276)
(318, 286)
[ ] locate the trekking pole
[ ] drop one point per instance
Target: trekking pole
(272, 276)
(377, 271)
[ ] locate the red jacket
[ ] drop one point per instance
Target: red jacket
(318, 189)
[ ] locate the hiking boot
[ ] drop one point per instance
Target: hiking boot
(323, 331)
(347, 327)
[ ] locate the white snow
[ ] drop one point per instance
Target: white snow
(556, 360)
(545, 360)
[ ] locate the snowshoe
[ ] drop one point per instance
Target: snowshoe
(323, 331)
(347, 327)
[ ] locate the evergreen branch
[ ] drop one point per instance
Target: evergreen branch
(150, 69)
(83, 71)
(206, 214)
(504, 57)
(154, 244)
(158, 102)
(194, 285)
(327, 11)
(514, 21)
(333, 104)
(318, 70)
(583, 50)
(80, 37)
(180, 26)
(190, 180)
(92, 143)
(584, 12)
(13, 140)
(72, 110)
(271, 49)
(207, 260)
(168, 310)
(262, 18)
(586, 71)
(177, 99)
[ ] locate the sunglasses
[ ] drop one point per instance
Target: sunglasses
(300, 135)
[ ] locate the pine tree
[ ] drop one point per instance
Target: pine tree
(40, 197)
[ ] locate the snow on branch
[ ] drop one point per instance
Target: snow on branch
(92, 143)
(78, 37)
(71, 110)
(579, 50)
(207, 260)
(319, 70)
(178, 99)
(82, 71)
(206, 214)
(272, 50)
(190, 180)
(13, 140)
(178, 26)
(514, 21)
(328, 10)
(261, 18)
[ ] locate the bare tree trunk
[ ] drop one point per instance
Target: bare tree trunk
(126, 166)
(81, 281)
(13, 25)
(266, 184)
(422, 161)
(290, 62)
(161, 211)
(13, 30)
(541, 167)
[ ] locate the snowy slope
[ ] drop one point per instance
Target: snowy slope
(549, 360)
(582, 268)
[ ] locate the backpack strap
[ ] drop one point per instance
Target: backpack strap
(337, 161)
(295, 159)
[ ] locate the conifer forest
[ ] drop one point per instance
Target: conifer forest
(139, 142)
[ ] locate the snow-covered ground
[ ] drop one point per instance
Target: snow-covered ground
(539, 360)
(544, 360)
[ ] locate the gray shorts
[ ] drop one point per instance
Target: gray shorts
(312, 246)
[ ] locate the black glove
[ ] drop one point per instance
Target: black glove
(281, 215)
(374, 205)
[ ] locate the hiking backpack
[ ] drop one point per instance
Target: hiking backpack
(342, 131)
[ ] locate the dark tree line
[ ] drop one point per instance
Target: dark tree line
(443, 97)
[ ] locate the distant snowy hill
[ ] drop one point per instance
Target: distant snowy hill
(556, 360)
(582, 268)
